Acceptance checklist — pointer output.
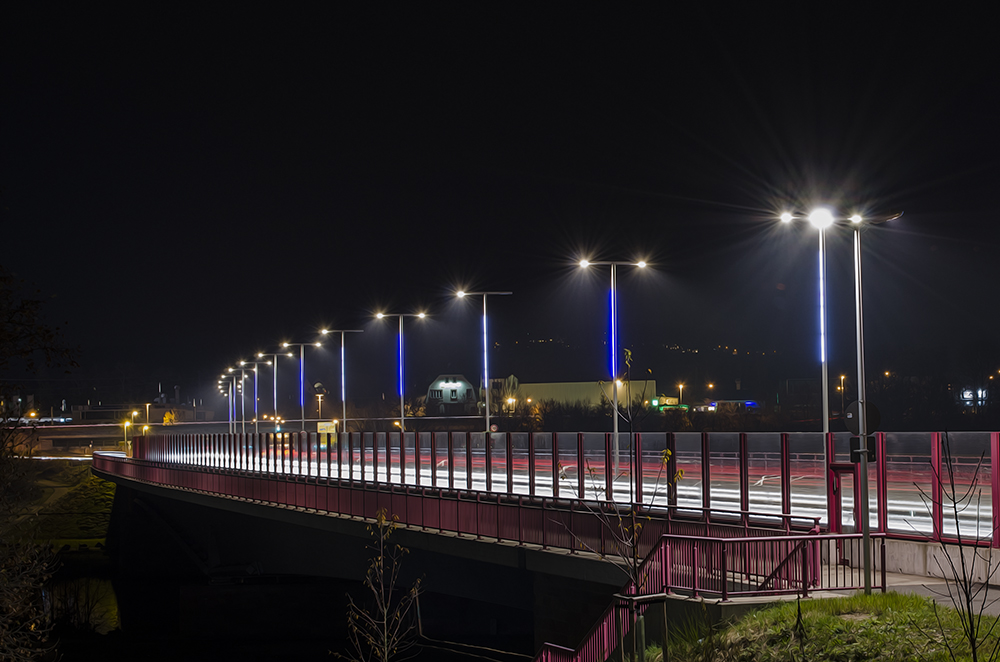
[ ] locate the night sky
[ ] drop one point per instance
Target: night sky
(196, 186)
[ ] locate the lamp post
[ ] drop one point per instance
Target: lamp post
(842, 377)
(243, 400)
(486, 363)
(343, 380)
(274, 359)
(857, 221)
(680, 394)
(614, 341)
(302, 374)
(256, 416)
(402, 411)
(823, 218)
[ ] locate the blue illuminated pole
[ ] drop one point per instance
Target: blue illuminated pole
(402, 410)
(343, 371)
(614, 344)
(486, 360)
(256, 398)
(302, 375)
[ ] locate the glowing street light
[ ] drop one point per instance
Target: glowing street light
(680, 394)
(486, 364)
(256, 399)
(402, 410)
(343, 380)
(243, 401)
(823, 218)
(614, 340)
(302, 374)
(274, 363)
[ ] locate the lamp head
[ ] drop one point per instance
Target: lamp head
(460, 294)
(584, 263)
(856, 218)
(641, 264)
(421, 315)
(786, 217)
(379, 315)
(284, 344)
(324, 331)
(821, 218)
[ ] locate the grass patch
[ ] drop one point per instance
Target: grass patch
(890, 627)
(81, 515)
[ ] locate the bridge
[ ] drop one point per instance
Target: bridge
(722, 514)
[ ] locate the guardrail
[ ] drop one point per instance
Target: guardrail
(724, 568)
(560, 523)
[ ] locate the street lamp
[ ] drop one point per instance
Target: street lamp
(274, 359)
(402, 411)
(842, 377)
(343, 380)
(302, 374)
(486, 364)
(256, 416)
(823, 218)
(857, 221)
(680, 394)
(243, 400)
(614, 339)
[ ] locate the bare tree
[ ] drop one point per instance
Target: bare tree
(25, 566)
(383, 627)
(968, 568)
(623, 525)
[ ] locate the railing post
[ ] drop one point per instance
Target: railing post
(725, 574)
(510, 464)
(433, 460)
(555, 465)
(667, 569)
(995, 484)
(937, 511)
(882, 562)
(531, 464)
(786, 479)
(671, 445)
(581, 468)
(609, 470)
(451, 461)
(881, 482)
(489, 461)
(744, 479)
(706, 474)
(637, 468)
(468, 461)
(833, 515)
(695, 570)
(805, 571)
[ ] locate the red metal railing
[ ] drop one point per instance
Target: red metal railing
(570, 524)
(725, 568)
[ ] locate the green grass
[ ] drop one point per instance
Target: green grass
(80, 515)
(889, 627)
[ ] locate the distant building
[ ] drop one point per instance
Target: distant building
(587, 393)
(157, 410)
(451, 394)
